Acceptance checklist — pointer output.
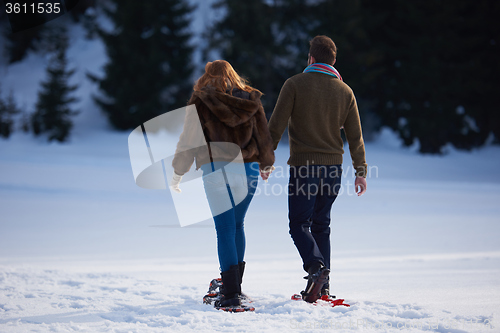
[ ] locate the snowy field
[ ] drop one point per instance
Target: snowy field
(82, 248)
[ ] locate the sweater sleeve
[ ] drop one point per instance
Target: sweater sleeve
(263, 139)
(282, 112)
(190, 140)
(354, 136)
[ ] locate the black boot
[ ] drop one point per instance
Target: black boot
(314, 267)
(241, 267)
(231, 288)
(325, 290)
(318, 275)
(243, 297)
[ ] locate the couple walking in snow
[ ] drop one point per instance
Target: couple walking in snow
(314, 105)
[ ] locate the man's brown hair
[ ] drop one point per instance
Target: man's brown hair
(323, 49)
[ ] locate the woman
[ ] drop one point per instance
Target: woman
(230, 111)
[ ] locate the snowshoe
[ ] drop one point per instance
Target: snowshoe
(324, 300)
(238, 308)
(214, 291)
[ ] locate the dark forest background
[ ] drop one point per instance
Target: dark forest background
(427, 69)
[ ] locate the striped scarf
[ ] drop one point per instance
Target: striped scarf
(323, 68)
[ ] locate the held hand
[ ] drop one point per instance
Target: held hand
(360, 185)
(266, 173)
(176, 180)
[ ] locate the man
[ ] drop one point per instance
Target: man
(315, 105)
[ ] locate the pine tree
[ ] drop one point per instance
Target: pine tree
(274, 47)
(438, 70)
(149, 70)
(19, 43)
(345, 24)
(53, 113)
(8, 109)
(78, 8)
(247, 36)
(427, 69)
(16, 45)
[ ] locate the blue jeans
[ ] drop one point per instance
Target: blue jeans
(312, 189)
(239, 183)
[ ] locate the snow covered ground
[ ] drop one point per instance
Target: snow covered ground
(82, 248)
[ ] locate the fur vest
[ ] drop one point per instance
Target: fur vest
(238, 119)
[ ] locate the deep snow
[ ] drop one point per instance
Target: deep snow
(82, 248)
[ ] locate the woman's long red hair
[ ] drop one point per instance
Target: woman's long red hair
(221, 75)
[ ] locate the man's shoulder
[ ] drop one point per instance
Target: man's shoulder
(305, 80)
(297, 78)
(345, 86)
(298, 81)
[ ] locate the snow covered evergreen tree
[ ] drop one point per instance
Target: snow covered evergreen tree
(8, 109)
(149, 70)
(53, 113)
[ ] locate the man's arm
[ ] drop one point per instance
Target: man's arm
(263, 140)
(282, 112)
(354, 136)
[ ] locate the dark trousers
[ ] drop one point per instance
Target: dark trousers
(312, 189)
